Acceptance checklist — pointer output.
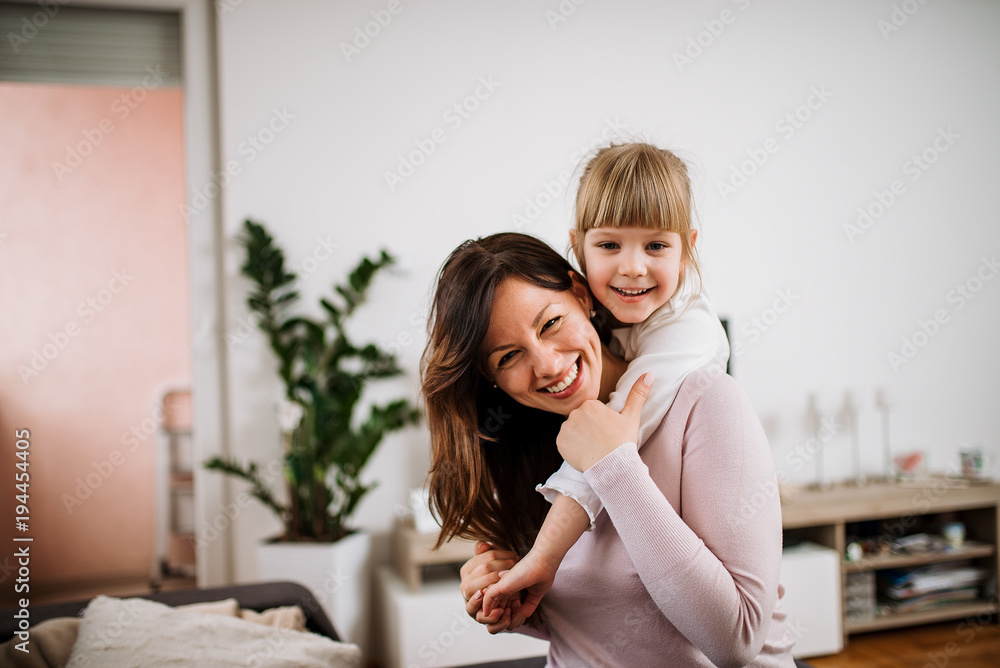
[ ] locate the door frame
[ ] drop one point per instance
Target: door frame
(206, 286)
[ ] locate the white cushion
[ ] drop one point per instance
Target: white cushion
(137, 632)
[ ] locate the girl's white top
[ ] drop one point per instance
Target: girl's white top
(681, 336)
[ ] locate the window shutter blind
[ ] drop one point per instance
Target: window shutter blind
(49, 42)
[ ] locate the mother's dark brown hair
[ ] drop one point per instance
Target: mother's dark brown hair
(487, 451)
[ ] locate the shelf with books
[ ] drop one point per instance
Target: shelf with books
(969, 550)
(942, 614)
(875, 528)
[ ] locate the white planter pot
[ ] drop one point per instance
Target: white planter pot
(338, 574)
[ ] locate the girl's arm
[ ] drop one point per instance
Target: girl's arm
(480, 572)
(713, 571)
(669, 345)
(563, 526)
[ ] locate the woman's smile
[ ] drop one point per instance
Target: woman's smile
(569, 384)
(541, 347)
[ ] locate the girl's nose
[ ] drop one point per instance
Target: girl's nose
(632, 265)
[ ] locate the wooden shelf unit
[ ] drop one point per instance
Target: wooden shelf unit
(822, 515)
(413, 550)
(953, 611)
(971, 550)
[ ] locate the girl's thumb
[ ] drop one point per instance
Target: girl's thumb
(637, 395)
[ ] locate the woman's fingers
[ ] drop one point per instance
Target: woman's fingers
(481, 570)
(494, 620)
(483, 576)
(517, 616)
(474, 605)
(501, 624)
(478, 574)
(496, 597)
(480, 549)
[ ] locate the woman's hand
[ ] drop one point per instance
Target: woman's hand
(593, 430)
(480, 572)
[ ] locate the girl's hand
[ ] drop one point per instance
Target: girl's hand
(593, 430)
(480, 572)
(532, 575)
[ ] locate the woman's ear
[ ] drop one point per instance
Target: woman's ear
(581, 290)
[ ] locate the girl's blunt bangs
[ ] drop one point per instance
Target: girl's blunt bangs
(635, 185)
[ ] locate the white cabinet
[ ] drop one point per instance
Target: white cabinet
(810, 574)
(429, 627)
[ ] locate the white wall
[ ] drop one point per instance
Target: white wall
(558, 88)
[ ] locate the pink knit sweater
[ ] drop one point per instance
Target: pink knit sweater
(682, 566)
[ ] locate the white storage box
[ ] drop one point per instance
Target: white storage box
(810, 574)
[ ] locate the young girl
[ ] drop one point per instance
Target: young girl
(635, 243)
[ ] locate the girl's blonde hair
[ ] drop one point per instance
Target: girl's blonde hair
(636, 185)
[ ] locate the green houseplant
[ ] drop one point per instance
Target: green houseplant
(324, 373)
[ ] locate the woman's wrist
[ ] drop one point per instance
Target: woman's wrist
(606, 455)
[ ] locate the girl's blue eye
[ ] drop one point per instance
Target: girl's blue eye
(657, 246)
(608, 245)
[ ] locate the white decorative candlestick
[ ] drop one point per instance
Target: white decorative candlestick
(882, 403)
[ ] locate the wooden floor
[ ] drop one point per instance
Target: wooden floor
(961, 644)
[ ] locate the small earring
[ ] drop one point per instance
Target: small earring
(593, 313)
(494, 386)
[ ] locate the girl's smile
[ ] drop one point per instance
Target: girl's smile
(633, 270)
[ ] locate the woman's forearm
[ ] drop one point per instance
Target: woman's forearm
(713, 573)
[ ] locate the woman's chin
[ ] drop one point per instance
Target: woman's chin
(569, 403)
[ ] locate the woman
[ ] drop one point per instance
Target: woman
(682, 567)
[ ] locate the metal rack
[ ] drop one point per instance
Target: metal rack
(174, 555)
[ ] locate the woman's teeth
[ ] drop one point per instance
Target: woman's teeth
(567, 381)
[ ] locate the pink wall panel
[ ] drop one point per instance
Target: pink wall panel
(93, 286)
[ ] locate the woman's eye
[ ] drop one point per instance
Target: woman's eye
(551, 322)
(503, 361)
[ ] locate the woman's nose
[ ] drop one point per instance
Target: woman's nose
(547, 362)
